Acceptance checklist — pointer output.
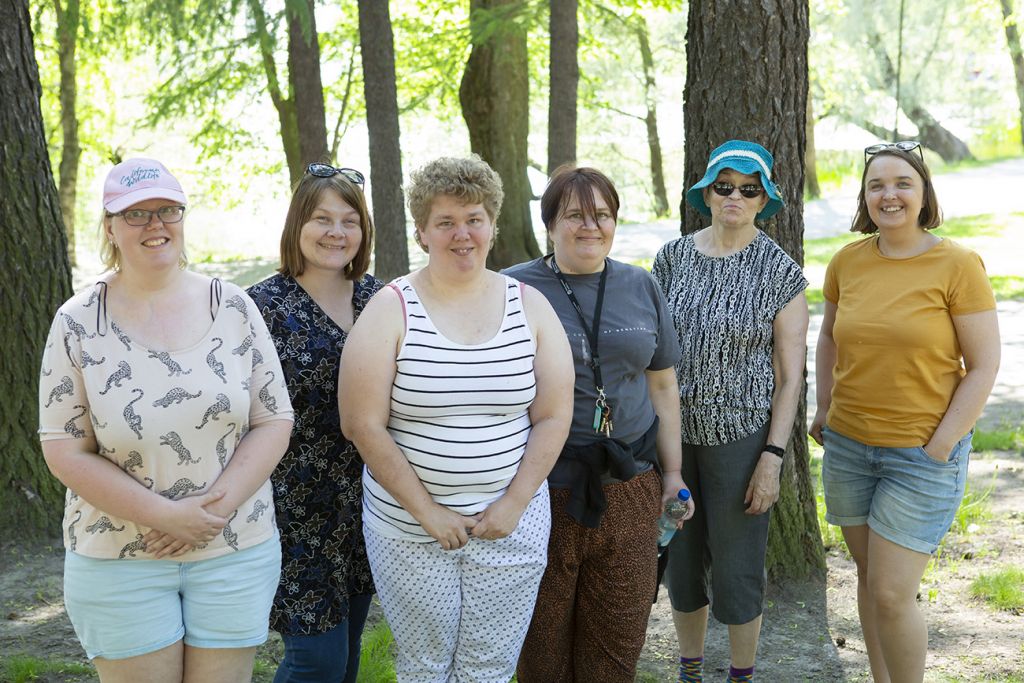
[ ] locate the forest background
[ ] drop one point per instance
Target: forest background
(235, 96)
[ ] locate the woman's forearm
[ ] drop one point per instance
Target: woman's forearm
(103, 484)
(251, 464)
(390, 468)
(964, 409)
(547, 436)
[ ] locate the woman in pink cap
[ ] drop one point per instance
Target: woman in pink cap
(163, 410)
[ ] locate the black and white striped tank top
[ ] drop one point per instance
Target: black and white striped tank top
(458, 413)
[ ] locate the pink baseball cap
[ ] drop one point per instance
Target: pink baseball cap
(136, 180)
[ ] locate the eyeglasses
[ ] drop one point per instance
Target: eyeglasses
(327, 171)
(902, 145)
(140, 217)
(576, 219)
(748, 191)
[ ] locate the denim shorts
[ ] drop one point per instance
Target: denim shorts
(903, 494)
(127, 608)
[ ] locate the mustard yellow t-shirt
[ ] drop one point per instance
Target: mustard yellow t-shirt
(898, 360)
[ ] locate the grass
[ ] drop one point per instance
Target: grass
(376, 659)
(831, 536)
(23, 668)
(974, 507)
(1002, 590)
(999, 439)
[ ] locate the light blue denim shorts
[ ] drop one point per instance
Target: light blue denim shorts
(127, 608)
(903, 494)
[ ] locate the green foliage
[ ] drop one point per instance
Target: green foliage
(974, 508)
(23, 668)
(821, 250)
(1011, 439)
(1002, 590)
(831, 536)
(376, 659)
(838, 168)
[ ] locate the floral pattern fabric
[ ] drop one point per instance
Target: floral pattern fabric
(317, 485)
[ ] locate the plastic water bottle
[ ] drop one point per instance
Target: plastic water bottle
(674, 511)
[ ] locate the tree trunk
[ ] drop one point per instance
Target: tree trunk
(930, 132)
(70, 151)
(811, 186)
(307, 90)
(391, 253)
(495, 99)
(651, 119)
(285, 106)
(1016, 55)
(747, 78)
(564, 73)
(36, 279)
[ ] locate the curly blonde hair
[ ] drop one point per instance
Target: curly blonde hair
(470, 180)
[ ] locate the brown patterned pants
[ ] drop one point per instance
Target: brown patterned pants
(590, 622)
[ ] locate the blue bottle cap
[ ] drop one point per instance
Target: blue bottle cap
(683, 495)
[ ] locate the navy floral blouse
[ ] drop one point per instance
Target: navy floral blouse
(318, 484)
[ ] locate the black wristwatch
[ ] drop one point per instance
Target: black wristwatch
(774, 450)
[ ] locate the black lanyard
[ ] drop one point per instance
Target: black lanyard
(602, 412)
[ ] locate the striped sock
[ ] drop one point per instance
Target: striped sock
(740, 675)
(690, 669)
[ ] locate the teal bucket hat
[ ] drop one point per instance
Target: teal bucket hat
(744, 157)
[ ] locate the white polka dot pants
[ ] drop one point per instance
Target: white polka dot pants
(460, 616)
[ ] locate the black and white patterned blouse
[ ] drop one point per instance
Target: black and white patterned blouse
(317, 485)
(723, 309)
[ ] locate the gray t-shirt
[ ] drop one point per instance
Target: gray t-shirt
(724, 309)
(636, 335)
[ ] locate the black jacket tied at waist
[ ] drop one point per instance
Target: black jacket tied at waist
(586, 463)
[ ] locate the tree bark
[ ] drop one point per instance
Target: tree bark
(68, 18)
(811, 186)
(391, 253)
(1016, 55)
(564, 76)
(284, 105)
(651, 119)
(747, 78)
(307, 89)
(495, 99)
(36, 279)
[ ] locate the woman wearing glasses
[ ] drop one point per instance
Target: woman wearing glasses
(163, 410)
(907, 355)
(737, 301)
(310, 305)
(606, 494)
(463, 382)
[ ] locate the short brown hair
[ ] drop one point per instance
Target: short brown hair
(930, 216)
(471, 180)
(570, 181)
(305, 199)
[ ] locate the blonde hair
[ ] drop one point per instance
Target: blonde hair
(468, 179)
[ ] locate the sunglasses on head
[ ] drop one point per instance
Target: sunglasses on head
(327, 171)
(748, 191)
(902, 145)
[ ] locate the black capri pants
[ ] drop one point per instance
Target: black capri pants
(718, 556)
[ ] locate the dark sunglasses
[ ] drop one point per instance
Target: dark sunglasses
(327, 171)
(902, 145)
(748, 191)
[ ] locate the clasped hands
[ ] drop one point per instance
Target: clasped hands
(452, 530)
(189, 522)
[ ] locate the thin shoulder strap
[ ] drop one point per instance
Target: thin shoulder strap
(101, 308)
(216, 290)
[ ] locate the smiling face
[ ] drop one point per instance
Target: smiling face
(582, 241)
(330, 239)
(735, 210)
(456, 234)
(152, 246)
(893, 193)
